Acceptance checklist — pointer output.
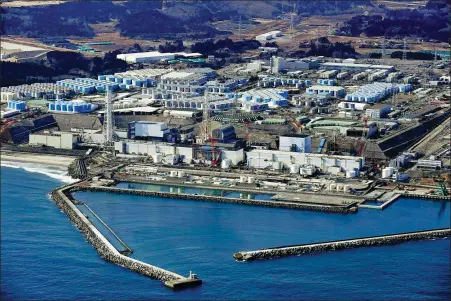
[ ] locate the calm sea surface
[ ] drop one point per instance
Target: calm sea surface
(43, 256)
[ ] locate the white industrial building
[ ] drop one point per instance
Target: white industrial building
(268, 36)
(171, 153)
(154, 56)
(357, 106)
(270, 159)
(334, 91)
(278, 64)
(299, 143)
(377, 111)
(64, 140)
(354, 67)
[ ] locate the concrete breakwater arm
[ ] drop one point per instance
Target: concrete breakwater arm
(107, 251)
(341, 244)
(218, 199)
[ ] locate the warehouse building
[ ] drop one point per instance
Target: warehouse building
(295, 143)
(334, 91)
(379, 110)
(154, 56)
(62, 140)
(278, 64)
(357, 106)
(354, 67)
(279, 160)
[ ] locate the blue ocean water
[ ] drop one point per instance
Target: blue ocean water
(43, 256)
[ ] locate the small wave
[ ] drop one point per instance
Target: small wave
(57, 173)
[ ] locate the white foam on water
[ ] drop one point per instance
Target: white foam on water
(57, 173)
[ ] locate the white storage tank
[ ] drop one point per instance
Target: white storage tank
(251, 180)
(157, 158)
(339, 187)
(332, 187)
(182, 173)
(346, 188)
(173, 173)
(277, 165)
(294, 168)
(175, 159)
(225, 164)
(243, 179)
(387, 172)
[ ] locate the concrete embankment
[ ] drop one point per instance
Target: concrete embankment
(105, 248)
(341, 244)
(218, 199)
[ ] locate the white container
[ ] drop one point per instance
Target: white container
(243, 179)
(351, 174)
(332, 187)
(339, 187)
(294, 168)
(173, 173)
(225, 164)
(346, 188)
(175, 159)
(277, 165)
(307, 170)
(181, 173)
(157, 158)
(251, 180)
(387, 172)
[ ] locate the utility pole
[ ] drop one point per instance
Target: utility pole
(404, 53)
(383, 46)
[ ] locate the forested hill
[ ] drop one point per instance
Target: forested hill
(146, 19)
(431, 22)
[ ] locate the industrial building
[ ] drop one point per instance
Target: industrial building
(354, 67)
(147, 129)
(376, 91)
(334, 91)
(224, 133)
(296, 143)
(71, 107)
(379, 110)
(279, 160)
(357, 106)
(154, 56)
(278, 64)
(268, 36)
(63, 140)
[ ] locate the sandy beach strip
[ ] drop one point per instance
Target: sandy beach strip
(44, 159)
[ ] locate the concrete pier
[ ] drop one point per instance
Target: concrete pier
(349, 208)
(106, 250)
(341, 244)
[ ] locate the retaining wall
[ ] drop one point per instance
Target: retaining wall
(218, 199)
(102, 245)
(341, 244)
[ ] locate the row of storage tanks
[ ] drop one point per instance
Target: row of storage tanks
(71, 106)
(277, 81)
(18, 105)
(326, 82)
(88, 85)
(177, 174)
(39, 90)
(127, 81)
(376, 91)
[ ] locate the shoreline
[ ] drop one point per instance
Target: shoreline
(44, 159)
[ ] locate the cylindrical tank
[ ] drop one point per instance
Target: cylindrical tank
(225, 164)
(277, 165)
(173, 173)
(294, 168)
(181, 174)
(251, 180)
(332, 187)
(346, 188)
(243, 179)
(157, 158)
(339, 187)
(175, 159)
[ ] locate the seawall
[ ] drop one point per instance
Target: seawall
(217, 199)
(105, 249)
(341, 244)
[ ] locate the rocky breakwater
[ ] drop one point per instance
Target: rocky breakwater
(341, 244)
(104, 248)
(218, 199)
